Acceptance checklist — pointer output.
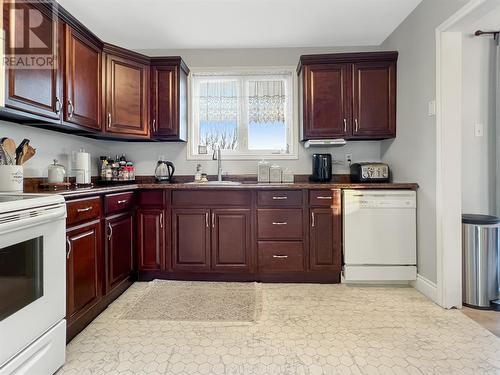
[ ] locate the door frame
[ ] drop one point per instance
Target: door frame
(449, 151)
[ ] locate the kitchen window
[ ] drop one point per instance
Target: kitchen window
(248, 114)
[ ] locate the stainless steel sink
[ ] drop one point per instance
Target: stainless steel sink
(216, 183)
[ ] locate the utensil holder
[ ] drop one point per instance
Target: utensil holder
(11, 178)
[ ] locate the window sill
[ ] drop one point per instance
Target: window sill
(245, 156)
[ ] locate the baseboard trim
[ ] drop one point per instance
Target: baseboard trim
(426, 287)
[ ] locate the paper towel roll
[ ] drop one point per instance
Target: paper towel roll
(82, 168)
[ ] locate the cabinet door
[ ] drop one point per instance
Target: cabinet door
(325, 236)
(84, 266)
(34, 90)
(82, 84)
(151, 239)
(191, 239)
(119, 248)
(127, 85)
(231, 244)
(326, 101)
(165, 102)
(374, 100)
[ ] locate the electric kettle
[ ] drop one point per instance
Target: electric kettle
(164, 171)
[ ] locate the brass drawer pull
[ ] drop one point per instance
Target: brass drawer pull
(280, 223)
(279, 198)
(80, 210)
(280, 256)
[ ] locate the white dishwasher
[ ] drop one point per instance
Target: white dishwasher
(380, 235)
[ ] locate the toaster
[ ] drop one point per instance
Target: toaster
(370, 172)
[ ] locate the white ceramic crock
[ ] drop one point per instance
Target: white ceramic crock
(11, 178)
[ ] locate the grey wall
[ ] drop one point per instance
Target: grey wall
(412, 155)
(478, 153)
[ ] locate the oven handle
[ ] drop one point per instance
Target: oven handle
(68, 253)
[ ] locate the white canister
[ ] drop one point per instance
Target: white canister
(275, 173)
(11, 178)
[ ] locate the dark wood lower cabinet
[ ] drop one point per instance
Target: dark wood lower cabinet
(231, 240)
(83, 267)
(325, 237)
(151, 230)
(191, 239)
(119, 249)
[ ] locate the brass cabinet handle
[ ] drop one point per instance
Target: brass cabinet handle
(109, 119)
(345, 125)
(161, 220)
(154, 125)
(213, 220)
(206, 220)
(68, 253)
(280, 223)
(313, 220)
(280, 256)
(80, 210)
(110, 231)
(356, 125)
(279, 198)
(71, 108)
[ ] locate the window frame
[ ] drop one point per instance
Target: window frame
(237, 72)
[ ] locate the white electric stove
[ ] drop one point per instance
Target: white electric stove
(32, 283)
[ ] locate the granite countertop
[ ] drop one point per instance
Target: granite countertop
(244, 185)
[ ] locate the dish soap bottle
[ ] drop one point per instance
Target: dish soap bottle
(197, 175)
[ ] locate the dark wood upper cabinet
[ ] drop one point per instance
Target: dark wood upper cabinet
(327, 101)
(84, 268)
(151, 231)
(119, 231)
(325, 236)
(169, 99)
(231, 240)
(348, 95)
(36, 91)
(127, 93)
(191, 239)
(82, 81)
(374, 99)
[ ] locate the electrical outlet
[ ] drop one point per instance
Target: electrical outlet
(478, 130)
(348, 158)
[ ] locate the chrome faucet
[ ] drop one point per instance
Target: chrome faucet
(217, 156)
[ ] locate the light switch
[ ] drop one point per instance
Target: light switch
(478, 130)
(431, 108)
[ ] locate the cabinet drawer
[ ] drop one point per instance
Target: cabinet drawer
(280, 198)
(321, 198)
(83, 210)
(285, 224)
(118, 202)
(209, 197)
(277, 256)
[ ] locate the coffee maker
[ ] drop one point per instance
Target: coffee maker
(164, 171)
(321, 168)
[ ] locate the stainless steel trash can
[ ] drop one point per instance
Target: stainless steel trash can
(480, 266)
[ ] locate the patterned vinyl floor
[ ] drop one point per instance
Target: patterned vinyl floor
(302, 329)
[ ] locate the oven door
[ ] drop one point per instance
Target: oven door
(32, 279)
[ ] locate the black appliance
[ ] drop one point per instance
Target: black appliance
(370, 172)
(321, 168)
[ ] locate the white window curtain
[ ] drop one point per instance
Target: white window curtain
(266, 100)
(218, 101)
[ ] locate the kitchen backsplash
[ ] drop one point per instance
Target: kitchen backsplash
(53, 145)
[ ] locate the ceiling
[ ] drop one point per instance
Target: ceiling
(183, 24)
